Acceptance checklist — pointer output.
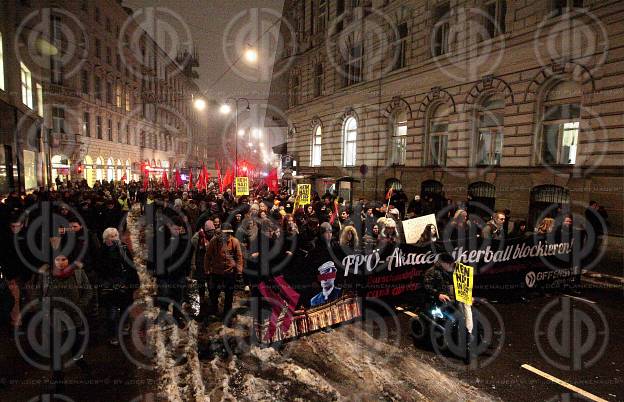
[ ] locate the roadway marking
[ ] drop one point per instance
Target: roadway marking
(564, 384)
(579, 298)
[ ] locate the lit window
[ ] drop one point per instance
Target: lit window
(86, 124)
(118, 95)
(562, 115)
(399, 139)
(127, 101)
(27, 93)
(39, 99)
(438, 136)
(317, 139)
(490, 128)
(349, 144)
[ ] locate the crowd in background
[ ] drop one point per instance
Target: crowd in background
(212, 237)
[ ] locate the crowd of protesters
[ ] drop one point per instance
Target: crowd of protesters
(210, 238)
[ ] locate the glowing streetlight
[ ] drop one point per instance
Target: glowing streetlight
(251, 55)
(199, 104)
(225, 109)
(241, 133)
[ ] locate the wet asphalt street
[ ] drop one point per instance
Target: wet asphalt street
(574, 338)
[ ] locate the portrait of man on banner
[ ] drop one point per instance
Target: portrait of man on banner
(329, 292)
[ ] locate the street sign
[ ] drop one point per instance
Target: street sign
(242, 186)
(363, 169)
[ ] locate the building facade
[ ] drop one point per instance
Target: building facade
(518, 104)
(116, 105)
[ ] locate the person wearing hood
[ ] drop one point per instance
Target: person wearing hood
(223, 262)
(200, 241)
(117, 279)
(61, 283)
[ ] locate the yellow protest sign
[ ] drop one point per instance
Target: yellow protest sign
(242, 186)
(462, 282)
(304, 191)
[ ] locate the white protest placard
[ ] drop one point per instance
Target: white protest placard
(413, 228)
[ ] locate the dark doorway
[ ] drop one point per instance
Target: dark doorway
(481, 199)
(547, 201)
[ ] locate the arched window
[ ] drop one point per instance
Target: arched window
(547, 201)
(490, 121)
(398, 143)
(438, 135)
(561, 123)
(481, 199)
(428, 187)
(110, 169)
(317, 138)
(99, 174)
(349, 142)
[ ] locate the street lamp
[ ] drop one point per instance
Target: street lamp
(225, 109)
(251, 55)
(199, 104)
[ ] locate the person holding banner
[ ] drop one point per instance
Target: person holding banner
(439, 290)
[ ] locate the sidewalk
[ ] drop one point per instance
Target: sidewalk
(114, 377)
(610, 269)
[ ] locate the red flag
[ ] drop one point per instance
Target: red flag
(389, 194)
(229, 178)
(145, 182)
(123, 178)
(190, 184)
(272, 181)
(199, 184)
(165, 179)
(178, 179)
